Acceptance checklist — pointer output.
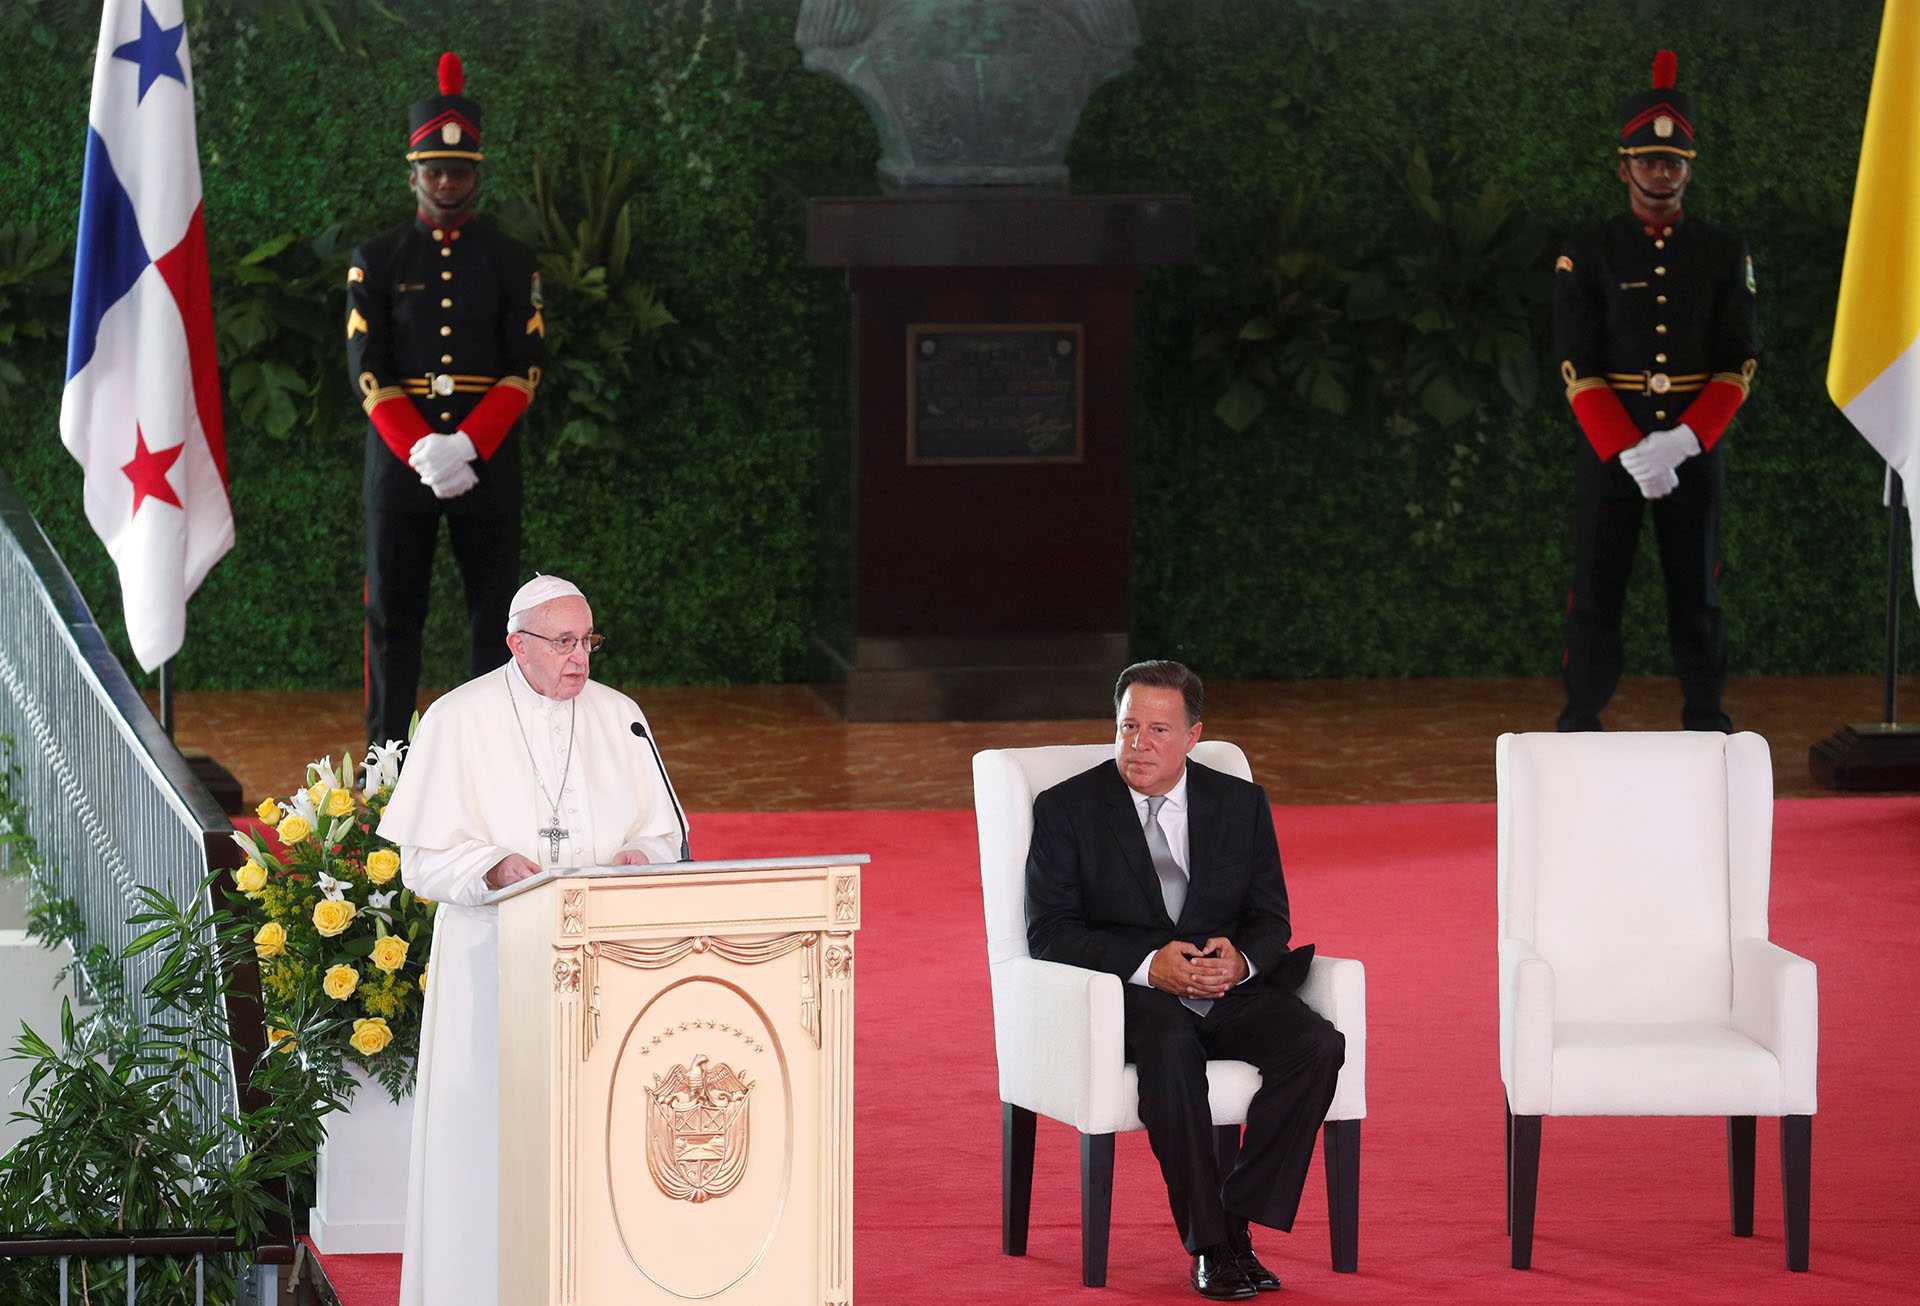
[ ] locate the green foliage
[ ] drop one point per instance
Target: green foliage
(35, 276)
(115, 1144)
(708, 514)
(609, 334)
(276, 314)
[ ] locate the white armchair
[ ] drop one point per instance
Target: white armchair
(1057, 1029)
(1636, 977)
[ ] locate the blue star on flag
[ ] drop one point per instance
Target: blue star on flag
(157, 51)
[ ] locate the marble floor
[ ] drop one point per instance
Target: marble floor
(780, 748)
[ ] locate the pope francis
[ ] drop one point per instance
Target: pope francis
(530, 767)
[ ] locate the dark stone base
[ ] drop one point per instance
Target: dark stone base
(1009, 678)
(1868, 757)
(219, 782)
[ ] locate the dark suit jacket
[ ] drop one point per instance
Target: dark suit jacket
(1094, 901)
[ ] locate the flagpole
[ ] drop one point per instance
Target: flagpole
(1884, 755)
(1894, 496)
(166, 697)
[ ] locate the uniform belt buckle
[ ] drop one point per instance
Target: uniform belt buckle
(443, 384)
(1659, 382)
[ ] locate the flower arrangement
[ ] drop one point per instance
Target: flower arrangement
(342, 942)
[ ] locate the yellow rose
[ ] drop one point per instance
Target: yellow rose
(382, 865)
(370, 1034)
(293, 829)
(340, 982)
(250, 877)
(390, 953)
(277, 1036)
(317, 791)
(270, 940)
(331, 916)
(268, 811)
(340, 803)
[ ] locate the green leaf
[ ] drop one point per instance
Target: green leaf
(1241, 405)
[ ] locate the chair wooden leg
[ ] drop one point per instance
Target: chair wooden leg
(1096, 1206)
(1226, 1148)
(1740, 1135)
(1340, 1154)
(1506, 1132)
(1796, 1183)
(1523, 1183)
(1016, 1177)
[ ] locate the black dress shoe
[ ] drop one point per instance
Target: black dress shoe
(1258, 1275)
(1220, 1278)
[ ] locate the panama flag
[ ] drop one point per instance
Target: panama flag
(1873, 373)
(141, 409)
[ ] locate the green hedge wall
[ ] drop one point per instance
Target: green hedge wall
(711, 539)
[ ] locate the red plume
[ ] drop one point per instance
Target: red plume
(453, 77)
(1664, 67)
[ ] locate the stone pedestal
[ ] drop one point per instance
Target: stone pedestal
(991, 468)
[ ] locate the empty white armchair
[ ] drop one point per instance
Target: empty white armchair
(1057, 1029)
(1636, 976)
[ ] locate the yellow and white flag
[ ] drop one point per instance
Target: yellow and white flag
(1873, 373)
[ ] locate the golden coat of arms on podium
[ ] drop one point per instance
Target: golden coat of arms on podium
(697, 1130)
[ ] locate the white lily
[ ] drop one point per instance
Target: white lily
(378, 905)
(383, 765)
(332, 888)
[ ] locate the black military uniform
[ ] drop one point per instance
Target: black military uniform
(1655, 329)
(444, 334)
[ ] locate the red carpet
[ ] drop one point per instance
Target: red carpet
(1630, 1210)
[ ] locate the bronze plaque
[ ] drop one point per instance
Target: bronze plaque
(994, 394)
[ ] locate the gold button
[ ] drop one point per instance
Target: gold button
(1659, 383)
(1658, 330)
(439, 234)
(1659, 244)
(1666, 231)
(1658, 358)
(1659, 413)
(448, 417)
(446, 274)
(447, 331)
(1659, 272)
(446, 303)
(1659, 299)
(446, 251)
(448, 358)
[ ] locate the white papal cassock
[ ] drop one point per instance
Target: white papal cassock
(467, 797)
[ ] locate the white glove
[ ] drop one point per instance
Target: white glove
(1660, 452)
(436, 457)
(1658, 483)
(463, 478)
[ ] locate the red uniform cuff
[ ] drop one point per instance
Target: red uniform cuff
(399, 423)
(1709, 414)
(487, 425)
(1604, 419)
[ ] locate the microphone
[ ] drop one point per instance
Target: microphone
(686, 852)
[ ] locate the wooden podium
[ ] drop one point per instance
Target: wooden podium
(676, 1084)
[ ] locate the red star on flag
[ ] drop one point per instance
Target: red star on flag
(148, 472)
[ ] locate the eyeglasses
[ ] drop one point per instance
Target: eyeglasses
(566, 644)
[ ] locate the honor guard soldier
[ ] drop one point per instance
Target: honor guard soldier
(1654, 326)
(445, 340)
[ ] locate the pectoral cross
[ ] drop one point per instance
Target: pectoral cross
(553, 834)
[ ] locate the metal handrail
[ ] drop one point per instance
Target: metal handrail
(115, 806)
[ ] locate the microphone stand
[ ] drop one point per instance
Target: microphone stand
(686, 851)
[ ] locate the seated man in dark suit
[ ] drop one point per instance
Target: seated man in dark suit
(1168, 875)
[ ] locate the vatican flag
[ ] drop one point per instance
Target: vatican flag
(1873, 373)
